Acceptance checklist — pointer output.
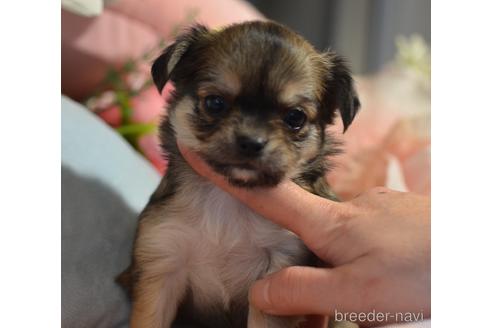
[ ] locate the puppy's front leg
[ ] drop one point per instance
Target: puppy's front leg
(258, 319)
(156, 300)
(161, 276)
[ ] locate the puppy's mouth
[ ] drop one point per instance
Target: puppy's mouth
(246, 174)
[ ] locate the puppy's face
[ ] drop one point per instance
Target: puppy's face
(254, 99)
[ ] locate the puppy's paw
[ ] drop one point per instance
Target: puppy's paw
(342, 324)
(258, 319)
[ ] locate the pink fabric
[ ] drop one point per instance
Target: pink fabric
(90, 46)
(112, 116)
(392, 125)
(147, 106)
(149, 145)
(162, 15)
(126, 29)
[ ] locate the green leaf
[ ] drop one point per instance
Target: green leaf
(136, 129)
(129, 66)
(123, 100)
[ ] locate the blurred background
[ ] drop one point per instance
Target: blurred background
(362, 30)
(108, 47)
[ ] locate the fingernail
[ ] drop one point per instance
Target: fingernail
(260, 294)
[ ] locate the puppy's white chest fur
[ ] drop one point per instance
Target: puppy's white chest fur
(220, 244)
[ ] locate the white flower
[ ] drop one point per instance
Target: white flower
(136, 80)
(103, 101)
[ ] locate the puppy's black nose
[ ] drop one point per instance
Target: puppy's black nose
(250, 146)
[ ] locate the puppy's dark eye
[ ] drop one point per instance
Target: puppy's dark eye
(295, 119)
(215, 104)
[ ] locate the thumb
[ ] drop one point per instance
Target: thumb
(301, 290)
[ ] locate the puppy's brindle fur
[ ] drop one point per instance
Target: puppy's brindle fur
(197, 249)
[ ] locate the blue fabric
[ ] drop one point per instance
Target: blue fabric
(105, 184)
(91, 149)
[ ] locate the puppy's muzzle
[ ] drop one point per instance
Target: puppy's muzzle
(250, 147)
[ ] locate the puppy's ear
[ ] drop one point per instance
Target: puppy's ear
(164, 65)
(340, 92)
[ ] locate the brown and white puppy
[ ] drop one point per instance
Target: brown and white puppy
(253, 100)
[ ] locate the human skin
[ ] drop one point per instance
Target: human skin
(378, 245)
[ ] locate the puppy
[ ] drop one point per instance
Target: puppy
(253, 100)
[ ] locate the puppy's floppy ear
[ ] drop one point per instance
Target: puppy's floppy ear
(340, 92)
(164, 65)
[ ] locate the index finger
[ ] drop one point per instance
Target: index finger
(287, 204)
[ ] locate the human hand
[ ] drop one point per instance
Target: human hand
(378, 243)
